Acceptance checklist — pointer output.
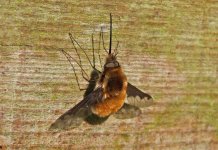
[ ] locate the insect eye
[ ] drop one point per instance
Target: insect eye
(112, 64)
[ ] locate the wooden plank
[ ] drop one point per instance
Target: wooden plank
(168, 49)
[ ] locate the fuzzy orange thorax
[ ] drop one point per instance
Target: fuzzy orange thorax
(114, 92)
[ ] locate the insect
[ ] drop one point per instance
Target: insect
(106, 91)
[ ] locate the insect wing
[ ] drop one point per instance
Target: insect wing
(74, 117)
(127, 111)
(138, 98)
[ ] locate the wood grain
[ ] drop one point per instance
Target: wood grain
(168, 49)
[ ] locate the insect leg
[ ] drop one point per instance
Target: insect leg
(99, 47)
(93, 51)
(82, 50)
(76, 50)
(102, 36)
(74, 70)
(115, 50)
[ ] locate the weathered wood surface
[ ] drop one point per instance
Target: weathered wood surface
(169, 49)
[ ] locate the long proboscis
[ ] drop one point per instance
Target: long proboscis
(110, 44)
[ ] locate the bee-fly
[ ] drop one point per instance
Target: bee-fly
(107, 98)
(106, 91)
